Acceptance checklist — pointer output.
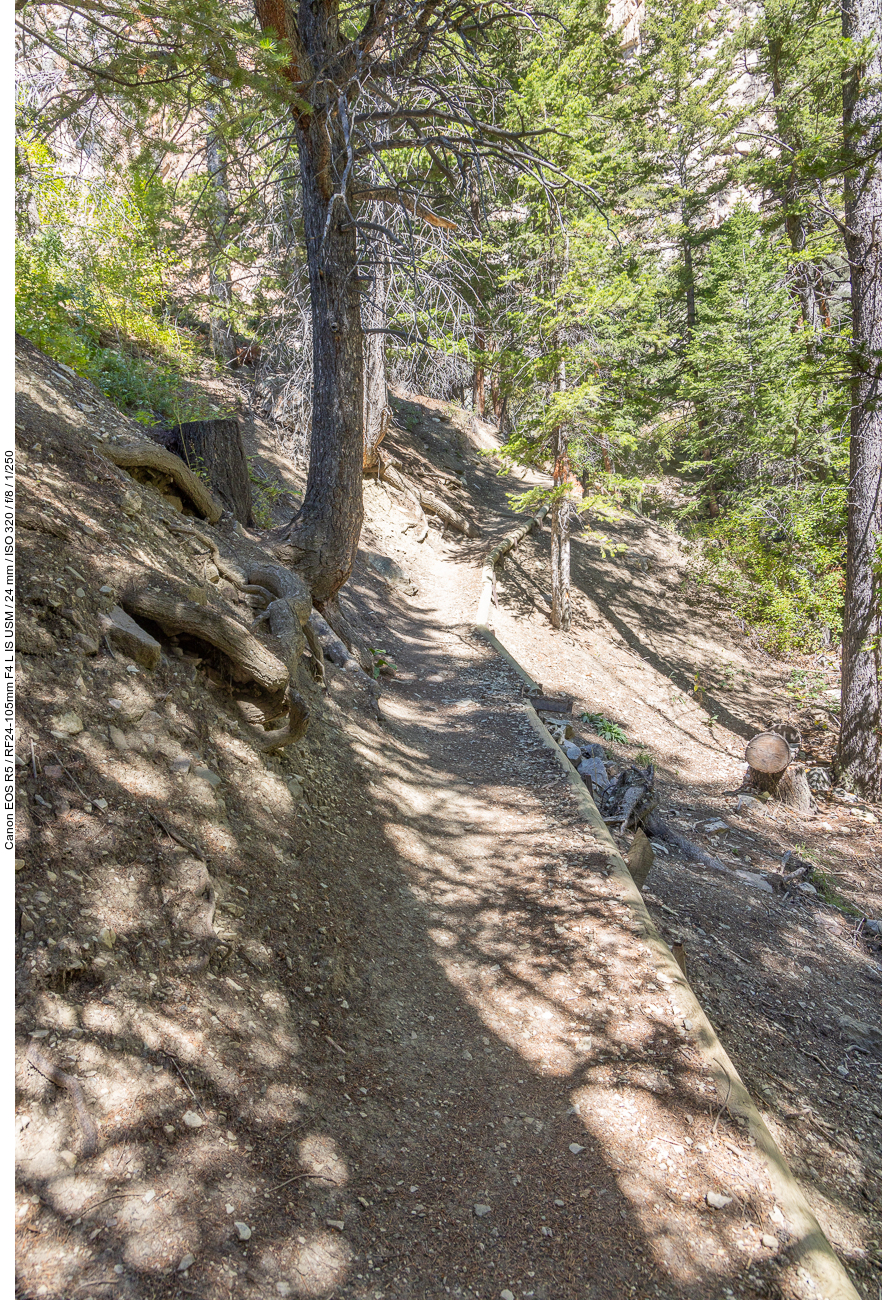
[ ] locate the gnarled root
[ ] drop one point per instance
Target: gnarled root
(176, 616)
(428, 501)
(150, 456)
(298, 721)
(331, 644)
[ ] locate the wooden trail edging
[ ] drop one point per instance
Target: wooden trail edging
(809, 1248)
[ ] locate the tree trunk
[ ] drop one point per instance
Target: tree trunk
(376, 401)
(214, 448)
(322, 538)
(220, 284)
(478, 381)
(860, 737)
(560, 542)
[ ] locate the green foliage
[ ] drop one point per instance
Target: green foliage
(266, 493)
(604, 727)
(381, 661)
(91, 282)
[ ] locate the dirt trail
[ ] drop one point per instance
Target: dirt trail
(432, 1060)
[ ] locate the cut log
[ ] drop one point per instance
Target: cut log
(771, 771)
(150, 458)
(214, 447)
(640, 858)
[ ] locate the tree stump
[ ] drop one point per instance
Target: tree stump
(770, 770)
(214, 448)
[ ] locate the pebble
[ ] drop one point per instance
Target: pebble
(576, 1149)
(336, 1223)
(206, 774)
(717, 1200)
(770, 1242)
(106, 937)
(68, 1158)
(481, 1211)
(117, 738)
(100, 803)
(715, 828)
(186, 1262)
(243, 1230)
(284, 1288)
(192, 1120)
(506, 1294)
(180, 766)
(572, 751)
(87, 644)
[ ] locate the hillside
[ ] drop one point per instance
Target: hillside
(364, 1016)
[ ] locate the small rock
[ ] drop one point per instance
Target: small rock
(87, 644)
(717, 1200)
(69, 724)
(572, 751)
(576, 1149)
(100, 803)
(186, 1262)
(481, 1211)
(192, 1120)
(594, 751)
(206, 774)
(871, 927)
(805, 888)
(777, 1216)
(336, 1223)
(858, 1030)
(106, 937)
(180, 766)
(758, 882)
(114, 704)
(243, 1230)
(106, 590)
(715, 828)
(595, 770)
(68, 1158)
(131, 504)
(124, 634)
(284, 1288)
(117, 738)
(770, 1242)
(505, 1294)
(748, 805)
(40, 1033)
(148, 1197)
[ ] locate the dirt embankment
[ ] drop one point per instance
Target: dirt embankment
(363, 1018)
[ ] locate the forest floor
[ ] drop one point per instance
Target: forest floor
(429, 1057)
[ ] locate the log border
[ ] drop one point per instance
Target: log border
(810, 1248)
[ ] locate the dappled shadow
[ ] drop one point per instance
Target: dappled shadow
(425, 997)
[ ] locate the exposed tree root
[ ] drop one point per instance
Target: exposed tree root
(150, 456)
(427, 500)
(175, 616)
(658, 827)
(331, 644)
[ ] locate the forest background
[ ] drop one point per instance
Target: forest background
(620, 235)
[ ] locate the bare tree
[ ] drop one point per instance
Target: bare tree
(860, 741)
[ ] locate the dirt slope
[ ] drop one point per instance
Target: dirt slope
(424, 996)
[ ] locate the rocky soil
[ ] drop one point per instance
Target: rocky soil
(365, 1018)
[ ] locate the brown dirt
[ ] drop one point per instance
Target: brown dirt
(425, 990)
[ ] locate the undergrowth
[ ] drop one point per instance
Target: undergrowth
(92, 289)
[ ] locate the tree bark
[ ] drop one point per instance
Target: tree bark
(220, 284)
(322, 538)
(561, 513)
(215, 447)
(860, 737)
(376, 400)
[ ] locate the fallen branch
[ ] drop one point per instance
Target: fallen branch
(428, 501)
(658, 827)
